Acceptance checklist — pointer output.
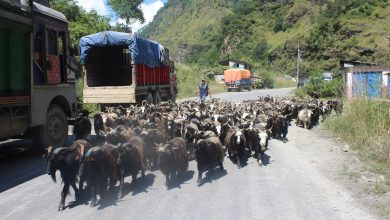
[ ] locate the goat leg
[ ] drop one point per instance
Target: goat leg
(199, 177)
(121, 183)
(260, 159)
(76, 191)
(238, 161)
(167, 180)
(134, 178)
(64, 192)
(93, 196)
(221, 166)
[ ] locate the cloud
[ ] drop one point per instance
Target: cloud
(98, 5)
(150, 10)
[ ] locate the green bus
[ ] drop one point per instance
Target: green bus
(37, 83)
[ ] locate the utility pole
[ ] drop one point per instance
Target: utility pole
(298, 58)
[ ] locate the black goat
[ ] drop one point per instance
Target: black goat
(67, 160)
(82, 127)
(131, 160)
(173, 159)
(208, 153)
(100, 169)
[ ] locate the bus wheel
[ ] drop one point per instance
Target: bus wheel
(157, 98)
(149, 98)
(54, 132)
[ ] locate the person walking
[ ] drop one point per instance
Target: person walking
(203, 91)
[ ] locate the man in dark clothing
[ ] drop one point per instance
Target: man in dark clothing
(203, 91)
(38, 72)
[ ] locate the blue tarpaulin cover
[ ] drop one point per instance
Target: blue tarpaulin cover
(142, 51)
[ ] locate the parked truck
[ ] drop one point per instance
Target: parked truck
(37, 87)
(238, 80)
(121, 68)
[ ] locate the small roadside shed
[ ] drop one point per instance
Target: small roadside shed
(367, 81)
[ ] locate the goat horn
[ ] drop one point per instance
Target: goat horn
(49, 149)
(82, 147)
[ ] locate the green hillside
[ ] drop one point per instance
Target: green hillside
(267, 32)
(187, 22)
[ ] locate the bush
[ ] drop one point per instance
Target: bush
(333, 88)
(300, 93)
(189, 77)
(326, 89)
(364, 125)
(268, 82)
(92, 108)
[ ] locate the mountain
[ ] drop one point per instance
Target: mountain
(268, 32)
(184, 24)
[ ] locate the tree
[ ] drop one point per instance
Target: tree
(69, 7)
(128, 9)
(81, 22)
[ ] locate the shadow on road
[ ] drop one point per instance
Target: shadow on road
(19, 163)
(266, 159)
(213, 175)
(141, 186)
(182, 179)
(243, 160)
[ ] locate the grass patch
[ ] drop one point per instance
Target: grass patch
(365, 126)
(281, 82)
(91, 107)
(189, 78)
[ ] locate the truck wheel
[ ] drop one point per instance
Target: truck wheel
(157, 98)
(149, 98)
(55, 131)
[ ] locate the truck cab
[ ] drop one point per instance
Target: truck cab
(37, 87)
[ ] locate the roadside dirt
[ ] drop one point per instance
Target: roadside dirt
(328, 155)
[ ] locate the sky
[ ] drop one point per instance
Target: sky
(149, 7)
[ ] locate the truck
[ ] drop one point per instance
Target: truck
(37, 85)
(238, 80)
(122, 69)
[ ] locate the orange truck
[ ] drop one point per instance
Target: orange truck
(238, 79)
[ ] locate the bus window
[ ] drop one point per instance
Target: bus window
(38, 76)
(62, 53)
(53, 63)
(52, 42)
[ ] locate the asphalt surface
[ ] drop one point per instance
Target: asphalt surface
(288, 186)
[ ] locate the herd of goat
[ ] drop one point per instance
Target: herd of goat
(167, 136)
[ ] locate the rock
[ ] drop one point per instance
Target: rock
(346, 148)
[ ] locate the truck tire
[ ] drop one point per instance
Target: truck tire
(149, 98)
(157, 98)
(54, 132)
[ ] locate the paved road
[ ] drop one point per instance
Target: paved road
(289, 186)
